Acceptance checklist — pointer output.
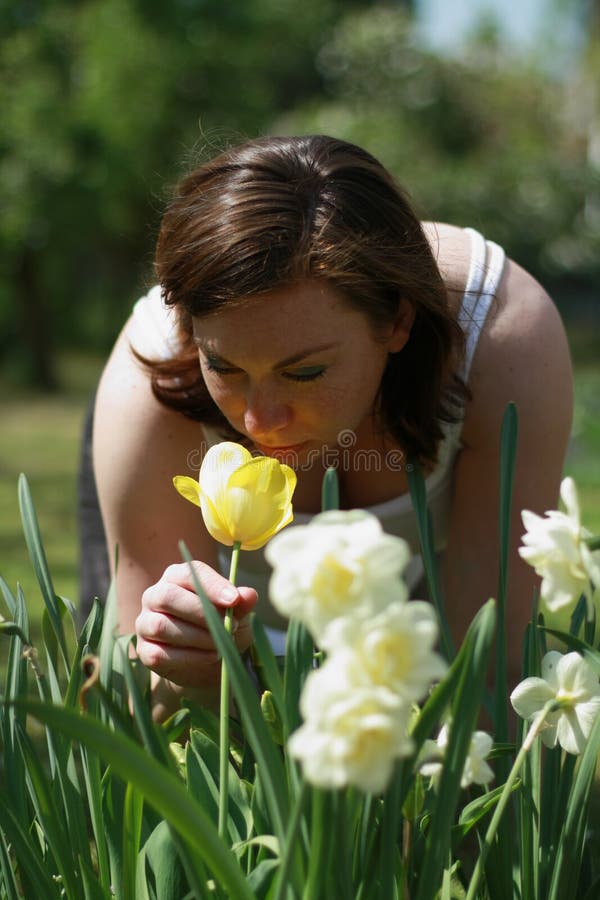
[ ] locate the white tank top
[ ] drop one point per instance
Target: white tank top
(154, 327)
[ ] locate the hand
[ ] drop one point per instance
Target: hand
(173, 638)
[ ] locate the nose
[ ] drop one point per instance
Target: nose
(265, 414)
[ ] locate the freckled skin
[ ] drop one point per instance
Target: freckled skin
(262, 400)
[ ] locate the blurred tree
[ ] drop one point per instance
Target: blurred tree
(486, 140)
(100, 99)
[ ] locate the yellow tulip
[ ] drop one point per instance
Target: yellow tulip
(244, 499)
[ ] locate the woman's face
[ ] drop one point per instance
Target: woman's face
(295, 368)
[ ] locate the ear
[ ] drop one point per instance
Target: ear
(400, 332)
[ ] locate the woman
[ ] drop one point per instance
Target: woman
(303, 310)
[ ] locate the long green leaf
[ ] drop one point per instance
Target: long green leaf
(465, 709)
(569, 849)
(508, 452)
(38, 558)
(266, 752)
(32, 868)
(9, 883)
(13, 720)
(530, 794)
(9, 599)
(92, 776)
(418, 494)
(161, 789)
(267, 663)
(132, 834)
(298, 663)
(51, 819)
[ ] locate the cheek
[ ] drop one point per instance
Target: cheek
(225, 397)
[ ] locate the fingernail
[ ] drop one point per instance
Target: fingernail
(228, 595)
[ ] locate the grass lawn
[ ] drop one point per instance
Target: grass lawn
(39, 435)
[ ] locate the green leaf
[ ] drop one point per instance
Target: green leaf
(10, 601)
(51, 818)
(465, 708)
(266, 666)
(299, 658)
(54, 605)
(9, 882)
(202, 762)
(330, 490)
(418, 494)
(32, 869)
(160, 874)
(508, 452)
(569, 848)
(474, 811)
(162, 789)
(591, 655)
(266, 752)
(92, 776)
(132, 833)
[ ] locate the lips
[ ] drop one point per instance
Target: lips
(289, 448)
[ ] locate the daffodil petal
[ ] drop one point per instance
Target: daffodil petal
(188, 488)
(530, 696)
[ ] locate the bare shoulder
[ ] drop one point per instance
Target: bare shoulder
(139, 445)
(523, 356)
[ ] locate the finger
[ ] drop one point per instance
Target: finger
(183, 665)
(217, 588)
(173, 631)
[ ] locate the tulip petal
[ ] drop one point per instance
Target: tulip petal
(217, 466)
(215, 525)
(188, 488)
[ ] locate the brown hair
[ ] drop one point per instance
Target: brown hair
(279, 210)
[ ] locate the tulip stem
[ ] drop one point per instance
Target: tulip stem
(536, 727)
(224, 712)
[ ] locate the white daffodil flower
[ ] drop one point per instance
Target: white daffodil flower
(394, 648)
(353, 731)
(555, 546)
(571, 681)
(476, 770)
(341, 564)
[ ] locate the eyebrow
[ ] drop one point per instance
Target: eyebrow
(288, 361)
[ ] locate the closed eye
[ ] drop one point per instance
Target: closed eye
(307, 373)
(213, 366)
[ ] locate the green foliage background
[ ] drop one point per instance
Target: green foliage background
(105, 102)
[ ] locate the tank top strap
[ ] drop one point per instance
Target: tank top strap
(485, 273)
